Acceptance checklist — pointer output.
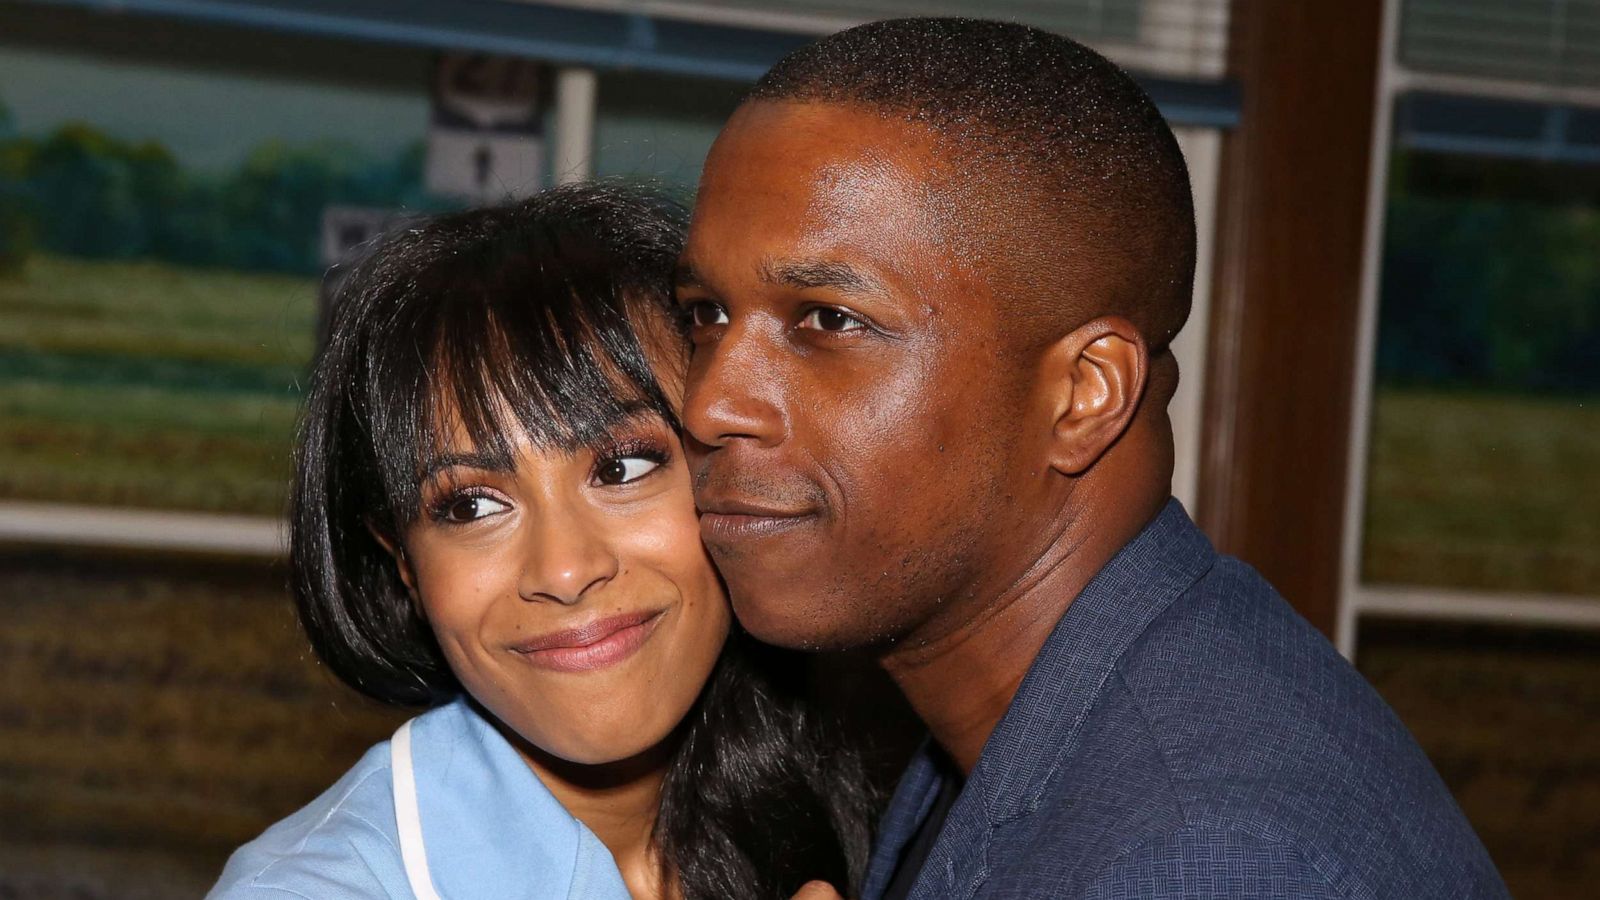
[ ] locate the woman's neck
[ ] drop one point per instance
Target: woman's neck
(619, 802)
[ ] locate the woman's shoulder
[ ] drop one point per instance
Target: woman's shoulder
(470, 819)
(342, 844)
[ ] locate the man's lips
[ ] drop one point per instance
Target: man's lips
(733, 518)
(590, 646)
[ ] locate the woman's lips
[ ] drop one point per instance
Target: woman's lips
(596, 645)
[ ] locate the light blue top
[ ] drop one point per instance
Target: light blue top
(446, 809)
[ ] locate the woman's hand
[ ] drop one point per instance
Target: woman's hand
(817, 890)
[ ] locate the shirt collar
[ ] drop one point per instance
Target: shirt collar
(1042, 724)
(489, 825)
(913, 798)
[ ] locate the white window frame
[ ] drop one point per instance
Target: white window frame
(1202, 150)
(71, 525)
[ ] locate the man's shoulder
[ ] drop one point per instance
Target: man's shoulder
(343, 842)
(1231, 682)
(1151, 848)
(1236, 858)
(1211, 861)
(1230, 657)
(1232, 727)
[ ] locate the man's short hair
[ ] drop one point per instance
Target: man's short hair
(1075, 166)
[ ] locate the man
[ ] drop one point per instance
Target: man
(934, 274)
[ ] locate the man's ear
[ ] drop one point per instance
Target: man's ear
(397, 550)
(1095, 377)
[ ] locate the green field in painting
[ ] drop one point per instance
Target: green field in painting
(1484, 492)
(150, 385)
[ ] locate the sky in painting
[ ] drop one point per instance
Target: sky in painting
(208, 120)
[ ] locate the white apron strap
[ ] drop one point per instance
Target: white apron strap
(407, 816)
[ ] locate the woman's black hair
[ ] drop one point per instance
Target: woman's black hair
(529, 318)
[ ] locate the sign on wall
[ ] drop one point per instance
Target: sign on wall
(486, 141)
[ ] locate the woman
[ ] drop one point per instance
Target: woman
(492, 517)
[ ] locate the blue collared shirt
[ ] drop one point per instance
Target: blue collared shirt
(446, 809)
(1183, 733)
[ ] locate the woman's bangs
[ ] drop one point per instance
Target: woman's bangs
(561, 376)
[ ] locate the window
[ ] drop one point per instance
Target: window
(1484, 469)
(1472, 568)
(1474, 491)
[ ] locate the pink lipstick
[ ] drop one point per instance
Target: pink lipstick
(595, 645)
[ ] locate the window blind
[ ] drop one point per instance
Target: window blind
(1545, 42)
(1175, 38)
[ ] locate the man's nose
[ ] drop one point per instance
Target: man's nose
(733, 391)
(565, 560)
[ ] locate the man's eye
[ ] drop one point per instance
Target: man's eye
(826, 318)
(471, 508)
(623, 469)
(705, 314)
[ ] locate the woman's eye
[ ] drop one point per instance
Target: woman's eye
(623, 469)
(826, 318)
(705, 314)
(470, 509)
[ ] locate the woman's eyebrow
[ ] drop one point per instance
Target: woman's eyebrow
(488, 462)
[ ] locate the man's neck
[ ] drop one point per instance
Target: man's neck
(961, 678)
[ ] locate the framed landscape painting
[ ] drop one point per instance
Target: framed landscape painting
(163, 230)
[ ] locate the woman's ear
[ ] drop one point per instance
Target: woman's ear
(1094, 378)
(397, 550)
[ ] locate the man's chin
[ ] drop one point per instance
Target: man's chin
(792, 621)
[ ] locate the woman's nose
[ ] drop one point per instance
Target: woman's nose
(567, 558)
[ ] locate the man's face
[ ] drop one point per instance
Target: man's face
(859, 430)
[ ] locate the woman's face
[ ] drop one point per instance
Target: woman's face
(571, 594)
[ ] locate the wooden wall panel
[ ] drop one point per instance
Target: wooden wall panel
(156, 712)
(1286, 290)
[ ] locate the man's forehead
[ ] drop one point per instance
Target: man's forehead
(835, 124)
(782, 184)
(819, 147)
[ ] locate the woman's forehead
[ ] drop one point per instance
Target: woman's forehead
(499, 434)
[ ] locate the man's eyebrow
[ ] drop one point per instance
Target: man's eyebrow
(488, 462)
(802, 274)
(684, 276)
